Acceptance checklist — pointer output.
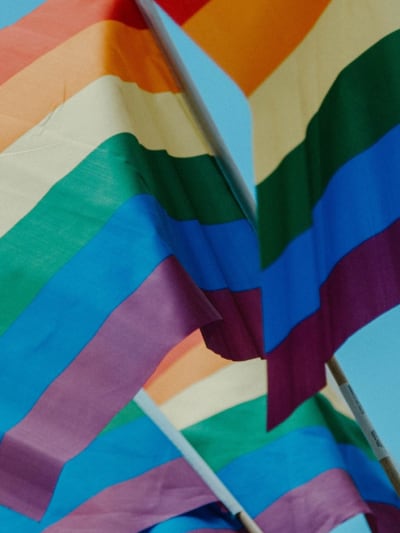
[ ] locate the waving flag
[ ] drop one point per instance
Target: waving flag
(118, 234)
(128, 479)
(310, 474)
(322, 81)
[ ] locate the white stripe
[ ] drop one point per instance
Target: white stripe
(284, 104)
(230, 386)
(106, 107)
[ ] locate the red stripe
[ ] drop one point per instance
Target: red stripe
(54, 22)
(181, 11)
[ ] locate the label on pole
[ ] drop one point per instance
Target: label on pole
(364, 422)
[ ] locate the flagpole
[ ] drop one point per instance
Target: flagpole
(224, 159)
(152, 410)
(365, 424)
(237, 185)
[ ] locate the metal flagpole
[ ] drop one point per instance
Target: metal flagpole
(237, 185)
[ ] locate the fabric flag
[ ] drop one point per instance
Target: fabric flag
(118, 234)
(311, 473)
(208, 519)
(128, 479)
(323, 84)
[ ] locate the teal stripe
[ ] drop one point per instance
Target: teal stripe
(77, 207)
(219, 442)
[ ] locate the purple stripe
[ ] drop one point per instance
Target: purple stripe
(362, 286)
(166, 491)
(385, 518)
(240, 331)
(321, 504)
(101, 380)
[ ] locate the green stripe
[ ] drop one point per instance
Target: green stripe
(127, 415)
(219, 442)
(362, 105)
(78, 206)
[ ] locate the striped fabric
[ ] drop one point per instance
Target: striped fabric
(324, 89)
(310, 474)
(128, 479)
(118, 234)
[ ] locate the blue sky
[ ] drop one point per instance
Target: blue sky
(370, 358)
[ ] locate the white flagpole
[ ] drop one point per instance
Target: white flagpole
(195, 460)
(237, 185)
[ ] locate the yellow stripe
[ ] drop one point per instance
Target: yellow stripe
(230, 386)
(284, 104)
(104, 48)
(108, 106)
(250, 42)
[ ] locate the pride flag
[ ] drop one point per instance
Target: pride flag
(311, 473)
(118, 234)
(128, 479)
(323, 82)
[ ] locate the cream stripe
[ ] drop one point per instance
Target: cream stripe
(237, 383)
(284, 104)
(106, 107)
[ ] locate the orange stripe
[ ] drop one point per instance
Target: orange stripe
(250, 42)
(55, 21)
(104, 48)
(196, 364)
(175, 354)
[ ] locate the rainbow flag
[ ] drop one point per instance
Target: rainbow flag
(311, 473)
(128, 479)
(118, 233)
(323, 84)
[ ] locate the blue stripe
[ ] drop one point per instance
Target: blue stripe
(257, 479)
(295, 459)
(361, 200)
(114, 457)
(66, 314)
(13, 10)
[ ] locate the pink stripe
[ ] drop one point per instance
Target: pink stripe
(321, 504)
(100, 381)
(166, 491)
(362, 286)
